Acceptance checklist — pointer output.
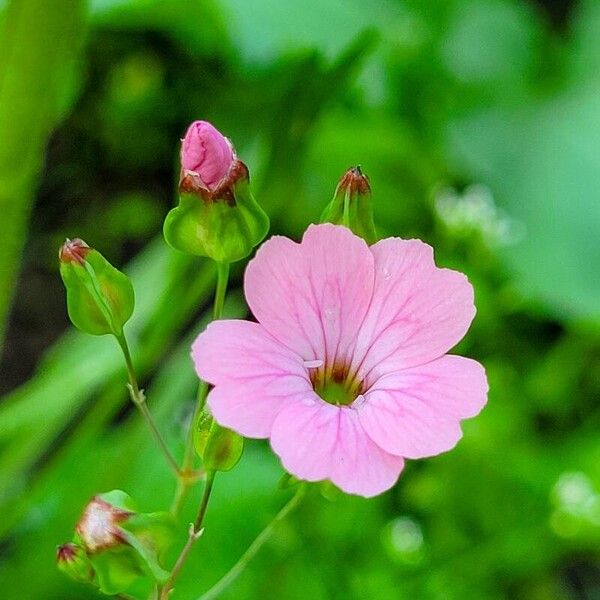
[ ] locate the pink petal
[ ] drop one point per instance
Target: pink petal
(312, 296)
(316, 441)
(416, 412)
(206, 151)
(418, 311)
(254, 375)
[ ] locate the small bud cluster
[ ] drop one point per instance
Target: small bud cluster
(114, 546)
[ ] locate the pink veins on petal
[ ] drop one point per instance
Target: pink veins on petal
(346, 370)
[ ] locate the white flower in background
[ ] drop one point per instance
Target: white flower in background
(474, 211)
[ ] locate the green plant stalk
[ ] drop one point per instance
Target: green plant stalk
(138, 398)
(217, 589)
(185, 482)
(195, 532)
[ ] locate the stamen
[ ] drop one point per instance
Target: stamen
(360, 400)
(312, 364)
(335, 386)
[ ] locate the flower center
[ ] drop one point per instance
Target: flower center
(336, 386)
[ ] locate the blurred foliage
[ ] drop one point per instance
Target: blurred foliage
(477, 122)
(29, 71)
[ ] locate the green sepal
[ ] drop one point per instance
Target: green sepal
(223, 449)
(118, 570)
(329, 491)
(219, 229)
(100, 298)
(202, 429)
(151, 534)
(287, 481)
(119, 499)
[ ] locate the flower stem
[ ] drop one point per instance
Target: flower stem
(138, 398)
(184, 483)
(254, 547)
(222, 279)
(195, 532)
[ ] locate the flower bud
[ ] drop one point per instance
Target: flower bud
(206, 154)
(122, 546)
(222, 450)
(216, 216)
(100, 525)
(351, 205)
(72, 560)
(100, 299)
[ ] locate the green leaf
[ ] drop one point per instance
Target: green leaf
(39, 49)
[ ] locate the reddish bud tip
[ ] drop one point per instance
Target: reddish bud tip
(354, 182)
(351, 205)
(67, 552)
(73, 251)
(207, 154)
(72, 560)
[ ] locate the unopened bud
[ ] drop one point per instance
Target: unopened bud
(72, 560)
(121, 545)
(100, 299)
(351, 205)
(222, 450)
(206, 155)
(216, 216)
(100, 525)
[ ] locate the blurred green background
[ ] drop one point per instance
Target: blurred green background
(478, 122)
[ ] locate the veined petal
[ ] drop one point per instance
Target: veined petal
(312, 296)
(418, 311)
(416, 412)
(235, 349)
(253, 373)
(317, 441)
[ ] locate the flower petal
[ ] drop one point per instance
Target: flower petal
(253, 373)
(416, 412)
(418, 311)
(316, 441)
(312, 296)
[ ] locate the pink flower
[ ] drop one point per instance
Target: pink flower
(346, 370)
(207, 153)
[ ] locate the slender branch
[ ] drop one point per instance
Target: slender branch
(254, 548)
(183, 485)
(195, 532)
(138, 398)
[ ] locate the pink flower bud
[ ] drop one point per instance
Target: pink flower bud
(207, 154)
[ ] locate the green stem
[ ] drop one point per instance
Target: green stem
(222, 279)
(254, 548)
(194, 533)
(185, 483)
(138, 398)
